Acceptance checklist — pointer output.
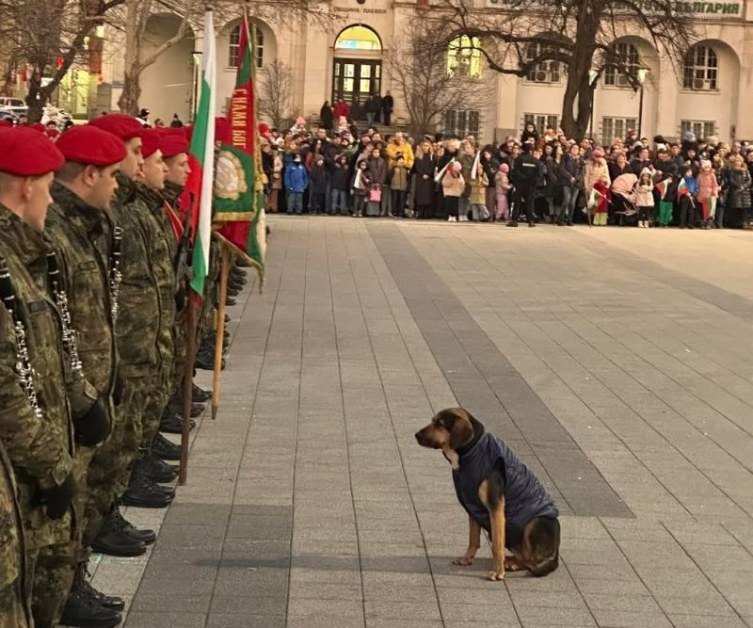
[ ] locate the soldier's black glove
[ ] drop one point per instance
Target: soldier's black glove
(92, 427)
(180, 299)
(118, 390)
(57, 500)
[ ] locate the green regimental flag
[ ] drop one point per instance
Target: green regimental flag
(239, 181)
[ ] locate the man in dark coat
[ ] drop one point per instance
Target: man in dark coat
(388, 104)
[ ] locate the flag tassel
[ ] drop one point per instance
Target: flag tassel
(216, 375)
(188, 386)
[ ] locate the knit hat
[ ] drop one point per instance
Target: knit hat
(504, 168)
(597, 153)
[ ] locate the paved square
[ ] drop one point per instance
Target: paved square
(617, 362)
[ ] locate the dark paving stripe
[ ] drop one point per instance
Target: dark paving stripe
(485, 382)
(730, 302)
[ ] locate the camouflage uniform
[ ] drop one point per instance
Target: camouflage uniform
(40, 449)
(82, 236)
(170, 195)
(14, 590)
(137, 338)
(163, 248)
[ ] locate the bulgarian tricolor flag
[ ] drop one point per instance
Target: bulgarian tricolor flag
(201, 155)
(682, 188)
(239, 185)
(594, 198)
(662, 187)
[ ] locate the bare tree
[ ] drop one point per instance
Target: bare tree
(135, 23)
(517, 38)
(49, 35)
(431, 72)
(275, 92)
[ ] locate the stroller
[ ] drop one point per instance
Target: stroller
(624, 210)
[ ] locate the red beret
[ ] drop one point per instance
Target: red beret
(174, 142)
(38, 126)
(5, 123)
(221, 130)
(151, 142)
(89, 145)
(25, 152)
(119, 124)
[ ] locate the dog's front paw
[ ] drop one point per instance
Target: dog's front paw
(463, 561)
(498, 573)
(512, 564)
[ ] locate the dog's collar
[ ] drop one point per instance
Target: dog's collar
(478, 432)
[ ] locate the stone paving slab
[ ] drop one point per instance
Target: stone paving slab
(615, 361)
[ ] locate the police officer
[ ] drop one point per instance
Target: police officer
(46, 403)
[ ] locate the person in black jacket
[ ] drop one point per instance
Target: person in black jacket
(424, 169)
(340, 183)
(525, 176)
(326, 116)
(318, 183)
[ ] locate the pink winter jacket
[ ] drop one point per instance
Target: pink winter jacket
(708, 186)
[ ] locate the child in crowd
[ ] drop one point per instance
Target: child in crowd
(339, 183)
(478, 195)
(502, 189)
(453, 186)
(644, 199)
(687, 191)
(708, 193)
(296, 182)
(361, 185)
(601, 209)
(399, 186)
(318, 182)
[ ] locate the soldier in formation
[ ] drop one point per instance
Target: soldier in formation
(92, 356)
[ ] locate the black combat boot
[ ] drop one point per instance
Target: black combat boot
(199, 395)
(165, 449)
(147, 537)
(88, 608)
(172, 423)
(143, 493)
(113, 541)
(155, 469)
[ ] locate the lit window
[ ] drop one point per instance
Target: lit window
(464, 57)
(234, 47)
(358, 38)
(541, 121)
(702, 129)
(701, 70)
(616, 128)
(543, 71)
(627, 58)
(462, 122)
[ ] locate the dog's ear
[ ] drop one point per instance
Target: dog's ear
(461, 431)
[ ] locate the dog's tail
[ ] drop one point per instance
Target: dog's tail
(546, 566)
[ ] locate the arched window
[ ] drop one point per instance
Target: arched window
(548, 71)
(464, 57)
(701, 71)
(235, 43)
(358, 38)
(627, 63)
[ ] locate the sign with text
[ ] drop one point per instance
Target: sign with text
(711, 10)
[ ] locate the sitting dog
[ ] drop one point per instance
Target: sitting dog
(500, 494)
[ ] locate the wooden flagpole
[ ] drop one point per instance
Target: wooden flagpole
(188, 385)
(220, 331)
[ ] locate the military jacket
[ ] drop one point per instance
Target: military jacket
(83, 237)
(137, 331)
(40, 446)
(160, 241)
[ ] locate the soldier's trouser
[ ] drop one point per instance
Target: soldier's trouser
(52, 578)
(13, 608)
(157, 398)
(110, 467)
(55, 565)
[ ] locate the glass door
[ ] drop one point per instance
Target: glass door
(354, 79)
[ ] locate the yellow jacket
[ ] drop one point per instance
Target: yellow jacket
(393, 149)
